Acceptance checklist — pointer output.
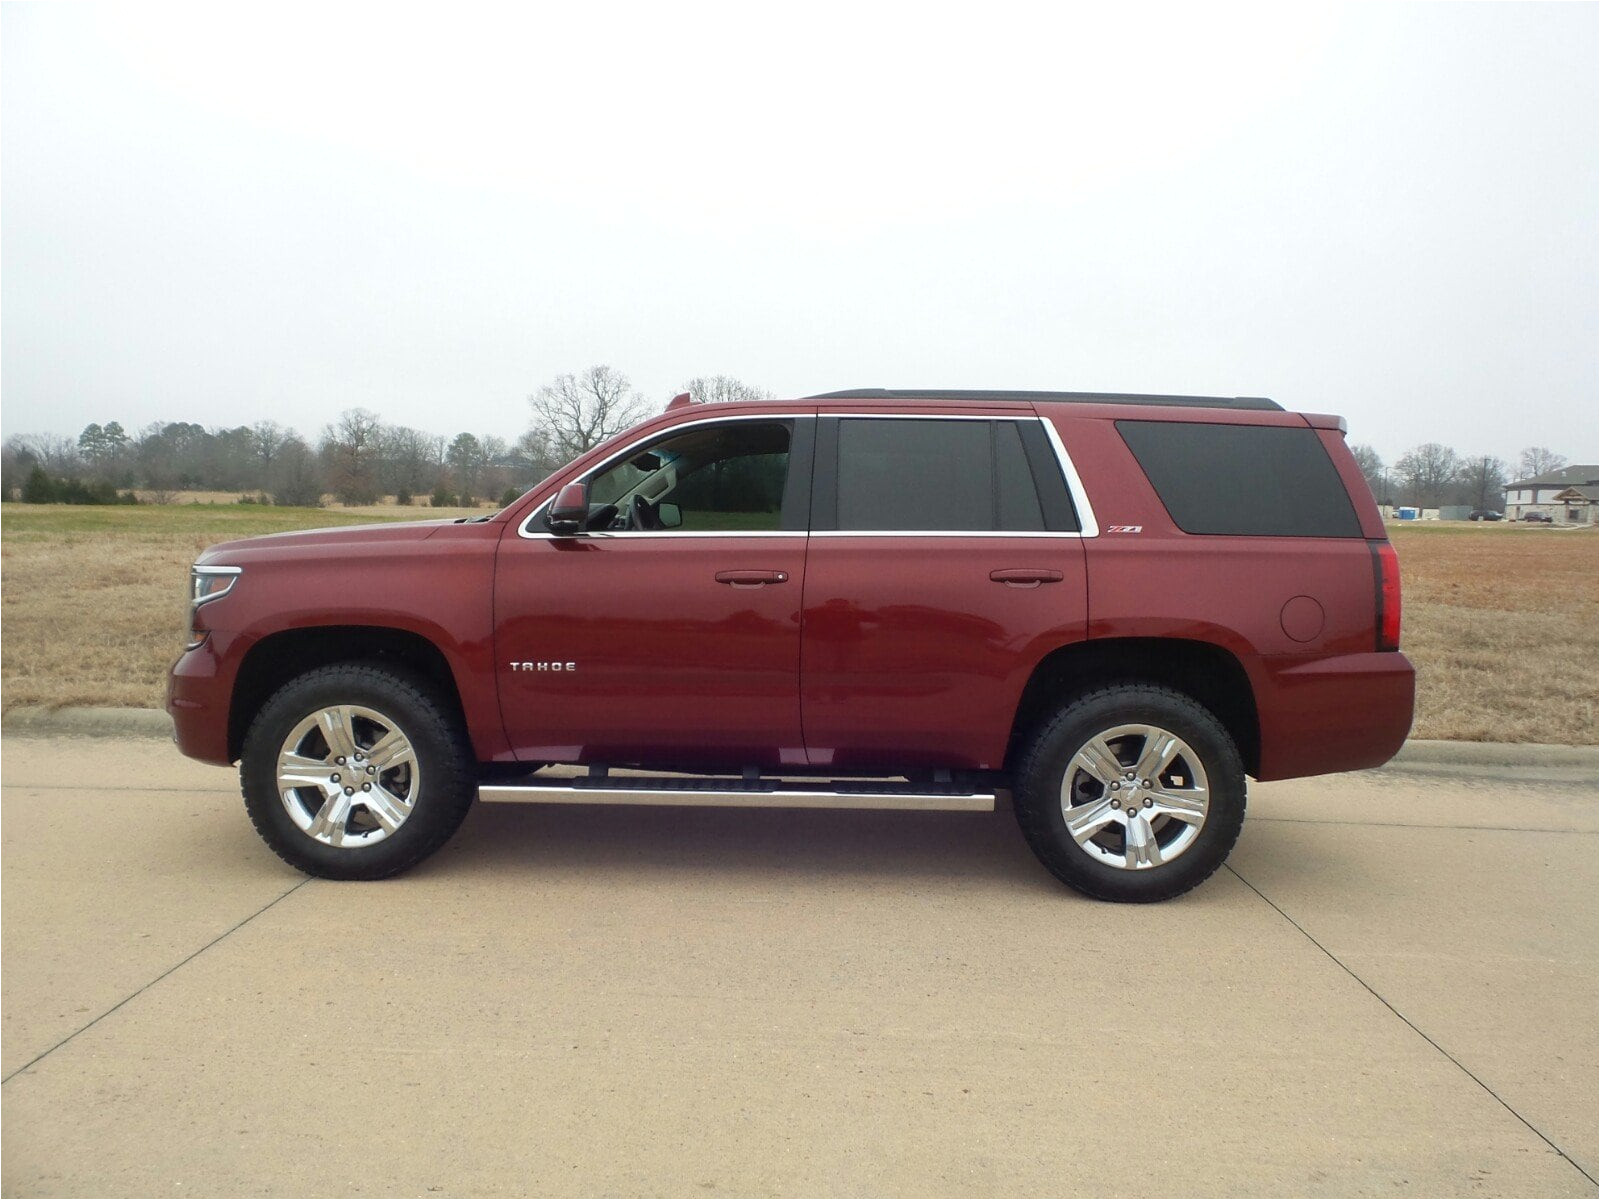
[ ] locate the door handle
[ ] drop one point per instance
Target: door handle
(751, 579)
(1024, 577)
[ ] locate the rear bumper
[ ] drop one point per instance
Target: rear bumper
(199, 692)
(1334, 714)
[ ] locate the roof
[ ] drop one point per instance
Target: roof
(1579, 476)
(1256, 403)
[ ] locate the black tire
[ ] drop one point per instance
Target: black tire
(1041, 775)
(445, 779)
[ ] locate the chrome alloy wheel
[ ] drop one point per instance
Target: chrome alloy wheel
(348, 776)
(1135, 797)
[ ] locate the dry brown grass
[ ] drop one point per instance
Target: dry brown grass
(1500, 620)
(92, 600)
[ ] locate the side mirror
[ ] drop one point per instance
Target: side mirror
(570, 512)
(670, 514)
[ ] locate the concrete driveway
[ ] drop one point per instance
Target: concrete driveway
(1391, 991)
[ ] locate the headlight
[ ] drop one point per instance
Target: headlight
(205, 585)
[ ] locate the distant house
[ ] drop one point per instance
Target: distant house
(1568, 495)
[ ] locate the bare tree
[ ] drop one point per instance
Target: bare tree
(1428, 471)
(57, 455)
(1484, 480)
(498, 470)
(406, 465)
(466, 461)
(578, 412)
(1537, 461)
(350, 450)
(723, 389)
(1372, 470)
(296, 478)
(534, 457)
(266, 439)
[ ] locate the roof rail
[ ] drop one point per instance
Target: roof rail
(1257, 403)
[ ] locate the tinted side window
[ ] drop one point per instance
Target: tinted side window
(722, 490)
(1257, 480)
(715, 478)
(1017, 498)
(910, 475)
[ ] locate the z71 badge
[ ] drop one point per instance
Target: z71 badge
(1124, 528)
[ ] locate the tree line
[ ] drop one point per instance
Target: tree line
(1433, 475)
(357, 459)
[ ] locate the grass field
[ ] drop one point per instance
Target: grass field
(1500, 619)
(92, 602)
(1501, 623)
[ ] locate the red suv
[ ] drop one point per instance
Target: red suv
(1113, 608)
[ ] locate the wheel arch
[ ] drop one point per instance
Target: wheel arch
(279, 657)
(1211, 674)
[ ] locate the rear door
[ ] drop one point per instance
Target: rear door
(945, 561)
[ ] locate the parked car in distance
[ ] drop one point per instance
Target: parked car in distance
(1112, 608)
(1485, 514)
(1542, 518)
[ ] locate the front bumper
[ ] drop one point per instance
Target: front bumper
(199, 694)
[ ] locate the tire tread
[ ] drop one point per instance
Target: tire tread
(1034, 797)
(447, 798)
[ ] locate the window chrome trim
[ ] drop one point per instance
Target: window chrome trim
(1089, 526)
(947, 533)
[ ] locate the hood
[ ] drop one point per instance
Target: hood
(271, 545)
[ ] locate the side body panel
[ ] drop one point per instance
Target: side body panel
(1297, 612)
(436, 583)
(914, 658)
(668, 666)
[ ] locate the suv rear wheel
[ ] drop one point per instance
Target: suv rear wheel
(1132, 793)
(355, 771)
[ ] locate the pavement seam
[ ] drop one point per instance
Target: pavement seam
(1411, 1024)
(135, 995)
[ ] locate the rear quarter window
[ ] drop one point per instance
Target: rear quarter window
(1253, 480)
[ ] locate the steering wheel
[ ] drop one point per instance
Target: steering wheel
(643, 515)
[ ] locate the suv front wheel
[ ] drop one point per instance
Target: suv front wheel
(356, 771)
(1132, 793)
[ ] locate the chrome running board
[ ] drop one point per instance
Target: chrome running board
(737, 793)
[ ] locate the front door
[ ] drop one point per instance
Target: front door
(668, 633)
(945, 562)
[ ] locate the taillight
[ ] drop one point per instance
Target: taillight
(1386, 577)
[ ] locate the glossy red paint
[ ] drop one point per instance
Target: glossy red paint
(915, 627)
(199, 692)
(1322, 703)
(673, 666)
(877, 653)
(432, 579)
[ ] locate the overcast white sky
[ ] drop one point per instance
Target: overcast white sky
(225, 212)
